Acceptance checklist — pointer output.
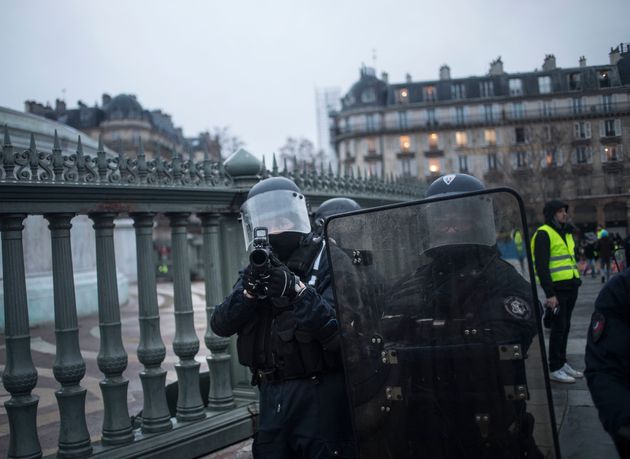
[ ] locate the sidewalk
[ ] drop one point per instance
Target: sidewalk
(581, 434)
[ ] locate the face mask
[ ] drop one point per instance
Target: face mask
(284, 244)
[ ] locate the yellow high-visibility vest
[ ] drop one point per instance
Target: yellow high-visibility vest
(562, 265)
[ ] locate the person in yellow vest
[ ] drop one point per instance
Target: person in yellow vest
(556, 270)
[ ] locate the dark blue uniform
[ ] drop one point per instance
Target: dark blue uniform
(293, 351)
(608, 359)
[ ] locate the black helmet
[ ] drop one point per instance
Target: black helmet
(467, 221)
(333, 206)
(277, 204)
(454, 183)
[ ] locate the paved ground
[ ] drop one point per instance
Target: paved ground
(581, 434)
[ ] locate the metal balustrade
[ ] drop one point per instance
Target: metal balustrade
(106, 187)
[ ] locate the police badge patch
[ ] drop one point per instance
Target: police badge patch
(598, 323)
(517, 308)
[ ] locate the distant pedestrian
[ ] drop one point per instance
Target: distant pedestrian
(607, 360)
(556, 270)
(589, 256)
(605, 248)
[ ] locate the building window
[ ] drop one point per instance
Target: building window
(461, 138)
(578, 106)
(607, 102)
(371, 145)
(611, 153)
(492, 161)
(516, 86)
(429, 93)
(517, 110)
(610, 128)
(552, 158)
(434, 167)
(402, 96)
(431, 120)
(486, 88)
(488, 113)
(406, 166)
(433, 141)
(582, 130)
(463, 163)
(575, 81)
(490, 136)
(546, 108)
(521, 160)
(519, 134)
(371, 123)
(544, 84)
(459, 115)
(374, 168)
(405, 143)
(368, 96)
(402, 120)
(458, 91)
(582, 155)
(603, 76)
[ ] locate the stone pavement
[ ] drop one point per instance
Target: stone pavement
(581, 434)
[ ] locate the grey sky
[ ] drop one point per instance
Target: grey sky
(254, 65)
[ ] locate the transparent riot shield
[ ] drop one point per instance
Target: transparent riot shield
(440, 329)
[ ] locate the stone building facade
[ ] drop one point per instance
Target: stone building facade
(123, 123)
(550, 133)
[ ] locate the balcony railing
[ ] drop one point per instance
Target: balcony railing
(473, 120)
(105, 187)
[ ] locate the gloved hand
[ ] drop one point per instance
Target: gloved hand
(252, 284)
(282, 282)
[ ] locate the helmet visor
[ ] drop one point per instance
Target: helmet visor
(460, 221)
(279, 211)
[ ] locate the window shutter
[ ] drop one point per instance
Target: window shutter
(576, 130)
(587, 129)
(602, 129)
(617, 127)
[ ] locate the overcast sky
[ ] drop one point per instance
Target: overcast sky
(254, 65)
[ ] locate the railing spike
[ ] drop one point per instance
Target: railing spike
(79, 147)
(7, 138)
(100, 142)
(32, 145)
(274, 167)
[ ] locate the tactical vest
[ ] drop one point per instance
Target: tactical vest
(562, 265)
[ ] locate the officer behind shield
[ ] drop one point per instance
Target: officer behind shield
(451, 321)
(333, 206)
(288, 332)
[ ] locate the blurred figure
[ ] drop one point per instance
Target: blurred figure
(556, 270)
(607, 360)
(589, 256)
(626, 249)
(605, 248)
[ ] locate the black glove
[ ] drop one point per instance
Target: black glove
(252, 284)
(282, 283)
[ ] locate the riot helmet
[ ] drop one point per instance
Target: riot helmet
(466, 221)
(275, 203)
(331, 207)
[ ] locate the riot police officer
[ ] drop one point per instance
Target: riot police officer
(442, 371)
(607, 359)
(333, 206)
(288, 332)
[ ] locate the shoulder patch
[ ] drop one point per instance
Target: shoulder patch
(517, 307)
(598, 324)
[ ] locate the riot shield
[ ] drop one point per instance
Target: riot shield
(440, 329)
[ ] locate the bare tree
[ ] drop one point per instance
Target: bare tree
(299, 150)
(223, 142)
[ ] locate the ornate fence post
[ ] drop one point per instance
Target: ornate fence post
(69, 367)
(151, 350)
(112, 358)
(220, 395)
(20, 376)
(186, 344)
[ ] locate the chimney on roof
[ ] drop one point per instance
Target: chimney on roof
(615, 54)
(385, 77)
(549, 63)
(582, 61)
(106, 99)
(496, 67)
(408, 78)
(445, 72)
(60, 106)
